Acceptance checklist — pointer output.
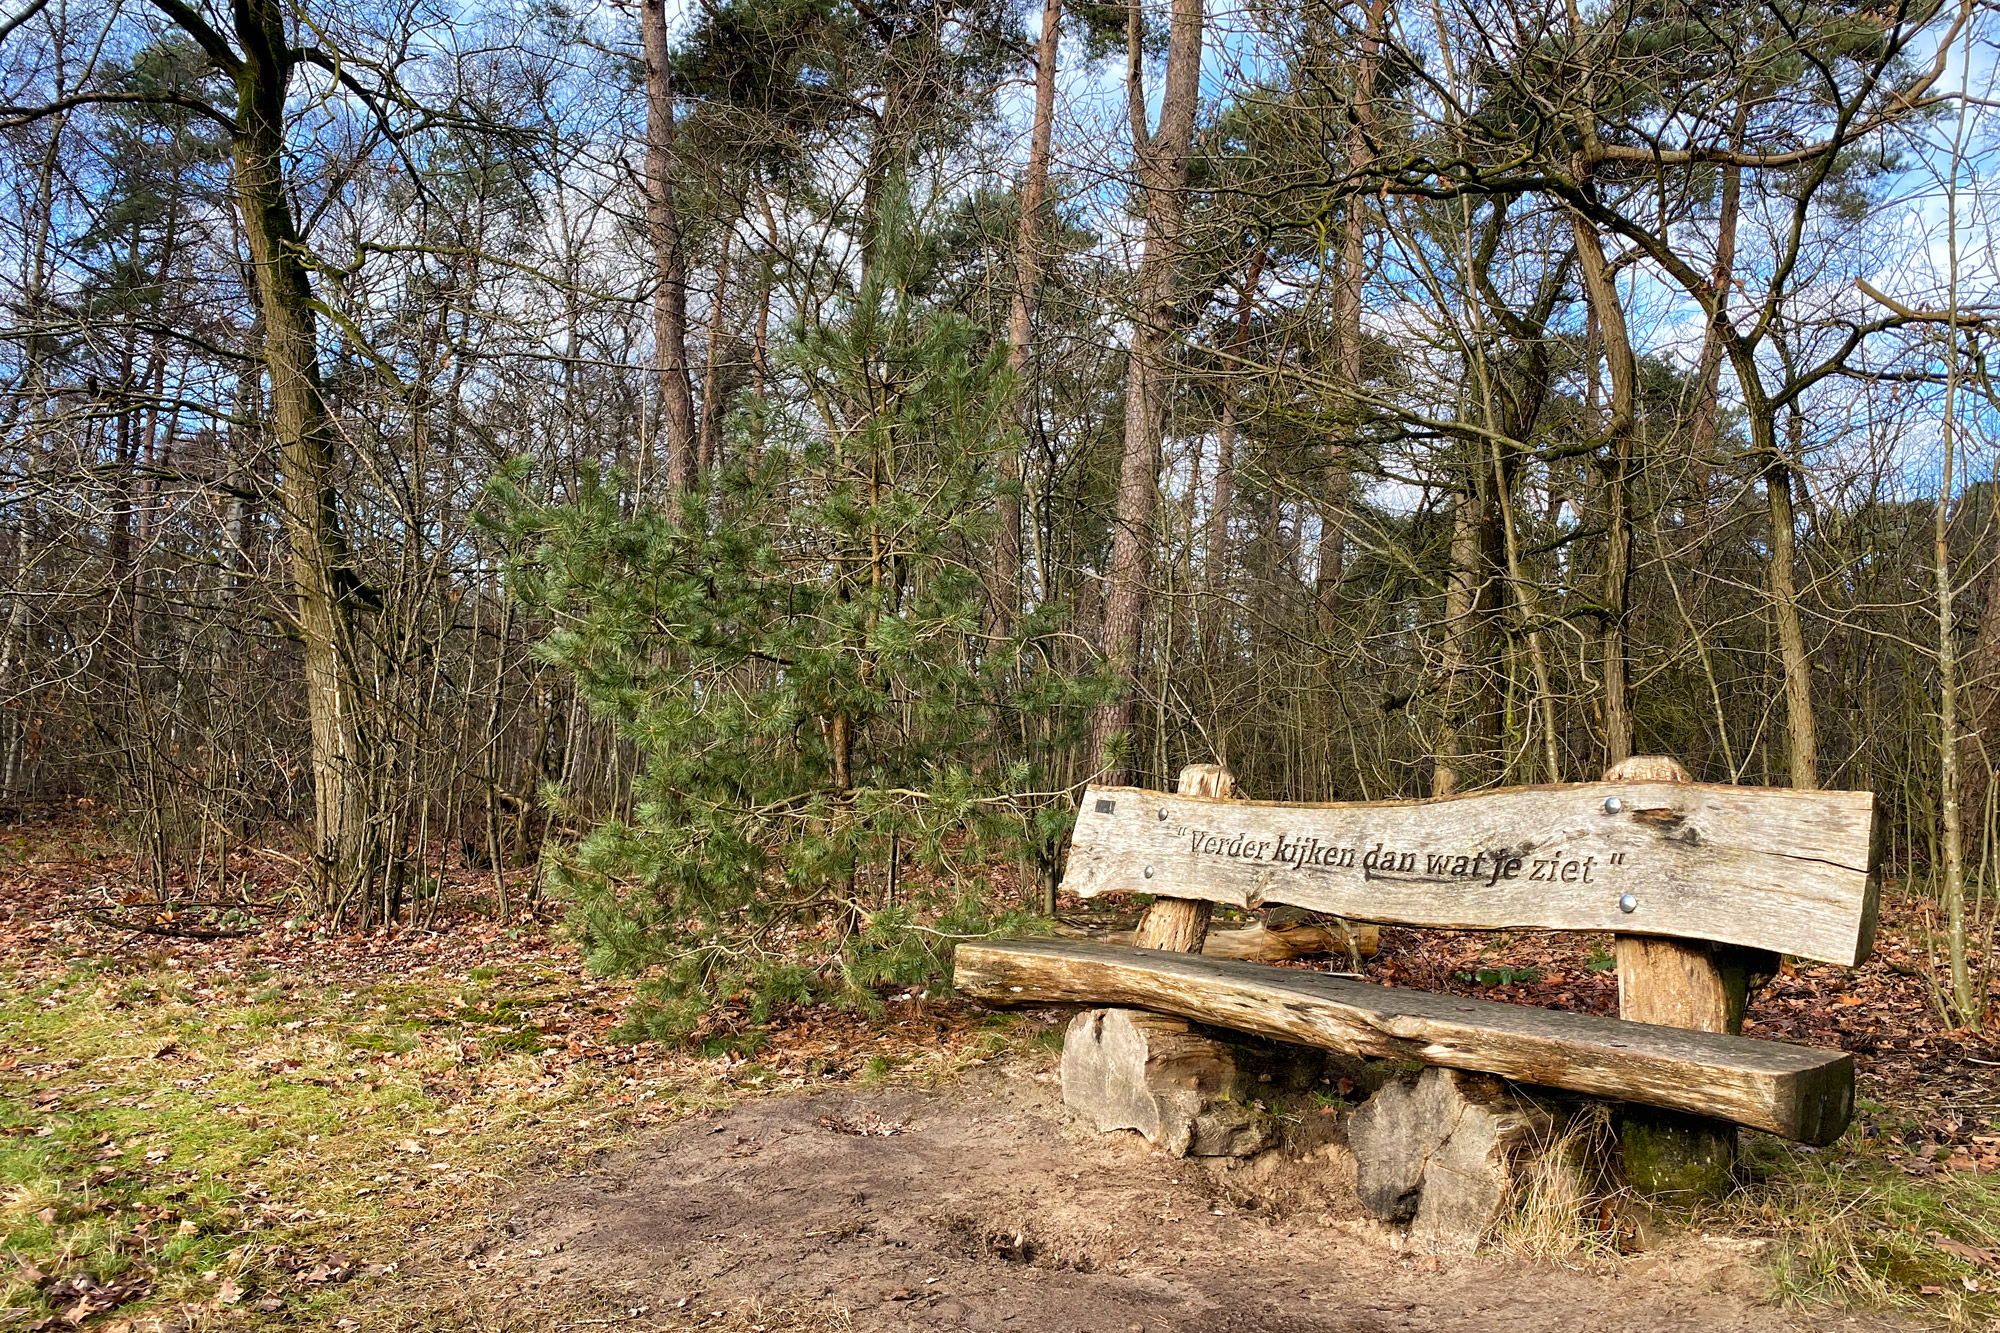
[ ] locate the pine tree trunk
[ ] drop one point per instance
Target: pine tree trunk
(1353, 273)
(1162, 159)
(1006, 593)
(663, 222)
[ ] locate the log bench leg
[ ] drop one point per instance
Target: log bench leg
(1683, 984)
(1180, 925)
(1129, 1069)
(1445, 1153)
(1680, 984)
(1189, 1092)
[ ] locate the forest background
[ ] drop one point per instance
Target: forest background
(757, 461)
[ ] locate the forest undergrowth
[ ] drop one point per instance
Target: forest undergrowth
(293, 1128)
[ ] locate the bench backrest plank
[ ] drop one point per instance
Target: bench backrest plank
(1768, 868)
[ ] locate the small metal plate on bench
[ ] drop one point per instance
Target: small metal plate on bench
(1106, 807)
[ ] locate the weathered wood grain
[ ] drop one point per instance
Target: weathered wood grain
(1190, 1093)
(1790, 871)
(1444, 1153)
(1790, 1090)
(1265, 944)
(1687, 984)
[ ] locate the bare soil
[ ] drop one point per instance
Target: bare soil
(983, 1207)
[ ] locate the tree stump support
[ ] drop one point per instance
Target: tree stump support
(1682, 984)
(1180, 925)
(1191, 1092)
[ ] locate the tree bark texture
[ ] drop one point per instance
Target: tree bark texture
(1161, 158)
(1005, 596)
(1802, 734)
(1616, 459)
(677, 420)
(325, 590)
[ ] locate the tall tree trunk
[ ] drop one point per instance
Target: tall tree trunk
(1161, 158)
(1802, 734)
(1951, 889)
(1623, 369)
(1215, 567)
(1006, 593)
(1708, 405)
(1461, 611)
(1348, 298)
(711, 378)
(324, 587)
(670, 262)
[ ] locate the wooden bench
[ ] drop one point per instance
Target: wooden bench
(1702, 886)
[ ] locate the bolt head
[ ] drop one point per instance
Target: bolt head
(1629, 903)
(1612, 805)
(1148, 872)
(1163, 812)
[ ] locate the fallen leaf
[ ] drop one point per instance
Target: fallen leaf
(333, 1268)
(228, 1293)
(1972, 1252)
(408, 1145)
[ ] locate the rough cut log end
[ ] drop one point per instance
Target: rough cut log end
(1443, 1153)
(1210, 780)
(1187, 1092)
(1648, 768)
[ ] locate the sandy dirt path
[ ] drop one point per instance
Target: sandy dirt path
(981, 1207)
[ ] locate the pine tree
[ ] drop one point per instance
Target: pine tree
(799, 661)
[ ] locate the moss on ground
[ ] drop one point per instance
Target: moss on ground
(1855, 1227)
(216, 1142)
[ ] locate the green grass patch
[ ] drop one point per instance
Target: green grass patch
(209, 1137)
(1853, 1226)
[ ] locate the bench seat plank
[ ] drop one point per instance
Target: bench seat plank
(1788, 871)
(1793, 1091)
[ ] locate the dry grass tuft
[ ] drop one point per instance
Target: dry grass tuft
(1568, 1201)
